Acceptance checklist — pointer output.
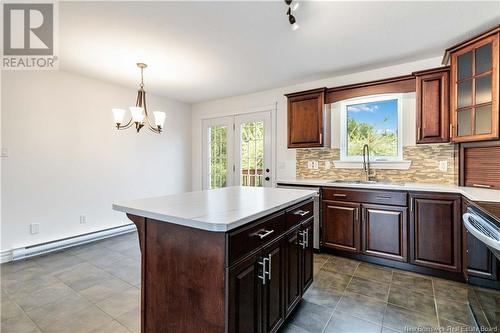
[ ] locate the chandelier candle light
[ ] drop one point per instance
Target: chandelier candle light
(139, 112)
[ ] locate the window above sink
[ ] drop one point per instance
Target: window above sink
(373, 120)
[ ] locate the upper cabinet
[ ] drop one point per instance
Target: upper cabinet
(308, 122)
(474, 93)
(432, 105)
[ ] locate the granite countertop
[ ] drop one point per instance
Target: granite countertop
(471, 193)
(219, 210)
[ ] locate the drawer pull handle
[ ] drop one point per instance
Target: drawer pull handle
(481, 185)
(301, 212)
(340, 195)
(264, 233)
(382, 197)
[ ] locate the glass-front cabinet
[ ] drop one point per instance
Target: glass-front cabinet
(474, 93)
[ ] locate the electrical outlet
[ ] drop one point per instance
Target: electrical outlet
(34, 228)
(83, 219)
(443, 166)
(328, 165)
(315, 165)
(309, 164)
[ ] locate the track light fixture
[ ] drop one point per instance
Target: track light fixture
(292, 6)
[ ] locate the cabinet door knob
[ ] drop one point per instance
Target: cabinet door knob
(267, 179)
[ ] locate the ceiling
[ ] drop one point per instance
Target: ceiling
(198, 51)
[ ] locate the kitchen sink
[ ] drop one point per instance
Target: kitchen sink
(344, 181)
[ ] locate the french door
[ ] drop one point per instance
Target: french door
(237, 151)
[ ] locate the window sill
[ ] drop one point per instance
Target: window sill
(376, 165)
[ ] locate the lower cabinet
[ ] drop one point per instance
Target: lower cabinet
(299, 263)
(245, 293)
(293, 259)
(435, 228)
(341, 225)
(266, 286)
(384, 231)
(272, 286)
(425, 232)
(372, 229)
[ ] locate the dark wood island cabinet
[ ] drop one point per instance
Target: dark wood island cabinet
(246, 279)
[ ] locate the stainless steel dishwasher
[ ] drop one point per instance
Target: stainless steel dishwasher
(317, 210)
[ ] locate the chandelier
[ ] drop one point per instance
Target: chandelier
(139, 112)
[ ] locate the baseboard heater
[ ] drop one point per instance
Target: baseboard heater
(57, 245)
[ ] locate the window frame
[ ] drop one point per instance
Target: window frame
(343, 127)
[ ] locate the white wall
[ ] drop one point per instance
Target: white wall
(239, 104)
(66, 159)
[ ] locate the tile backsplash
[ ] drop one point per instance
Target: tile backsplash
(424, 165)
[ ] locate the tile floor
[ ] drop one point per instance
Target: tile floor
(96, 288)
(90, 288)
(352, 296)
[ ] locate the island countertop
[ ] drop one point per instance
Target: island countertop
(218, 210)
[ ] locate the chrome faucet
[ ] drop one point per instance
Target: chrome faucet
(366, 163)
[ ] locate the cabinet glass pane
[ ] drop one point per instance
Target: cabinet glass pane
(483, 58)
(483, 89)
(464, 65)
(483, 119)
(464, 94)
(463, 122)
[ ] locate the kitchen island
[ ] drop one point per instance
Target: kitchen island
(236, 259)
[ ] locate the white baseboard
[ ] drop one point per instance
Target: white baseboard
(57, 245)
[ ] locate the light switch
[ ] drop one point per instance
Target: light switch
(5, 152)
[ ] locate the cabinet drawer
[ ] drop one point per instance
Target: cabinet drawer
(299, 214)
(249, 238)
(395, 198)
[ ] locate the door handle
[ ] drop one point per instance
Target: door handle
(269, 268)
(301, 241)
(263, 276)
(306, 238)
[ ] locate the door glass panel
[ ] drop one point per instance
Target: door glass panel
(483, 58)
(217, 172)
(464, 94)
(464, 66)
(483, 89)
(252, 153)
(463, 122)
(483, 119)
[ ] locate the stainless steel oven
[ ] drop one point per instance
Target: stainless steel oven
(484, 303)
(317, 210)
